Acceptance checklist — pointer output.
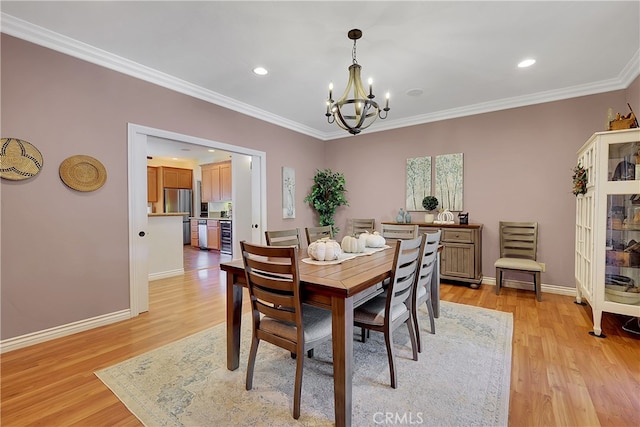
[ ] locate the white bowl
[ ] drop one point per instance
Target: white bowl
(616, 293)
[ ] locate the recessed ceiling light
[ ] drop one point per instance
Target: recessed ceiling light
(260, 71)
(415, 92)
(526, 63)
(185, 149)
(211, 150)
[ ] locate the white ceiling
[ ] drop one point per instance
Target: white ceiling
(463, 55)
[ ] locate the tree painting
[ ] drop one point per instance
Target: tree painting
(288, 192)
(449, 173)
(418, 182)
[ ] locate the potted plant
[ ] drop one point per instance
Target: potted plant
(327, 194)
(429, 203)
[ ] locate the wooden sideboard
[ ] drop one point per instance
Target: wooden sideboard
(461, 257)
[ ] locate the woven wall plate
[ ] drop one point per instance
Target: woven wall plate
(83, 173)
(19, 159)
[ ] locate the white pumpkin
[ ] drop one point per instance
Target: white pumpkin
(375, 240)
(352, 245)
(324, 250)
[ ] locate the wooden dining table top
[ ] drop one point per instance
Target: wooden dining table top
(344, 279)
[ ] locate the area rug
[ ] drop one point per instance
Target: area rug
(462, 378)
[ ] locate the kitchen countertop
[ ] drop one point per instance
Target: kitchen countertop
(218, 218)
(169, 214)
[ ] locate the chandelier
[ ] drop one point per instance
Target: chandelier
(355, 110)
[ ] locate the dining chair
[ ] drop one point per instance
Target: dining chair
(518, 252)
(422, 294)
(317, 233)
(356, 226)
(278, 314)
(400, 231)
(283, 237)
(387, 312)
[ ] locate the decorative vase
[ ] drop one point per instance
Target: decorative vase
(429, 218)
(407, 218)
(400, 217)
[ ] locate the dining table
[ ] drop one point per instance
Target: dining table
(338, 287)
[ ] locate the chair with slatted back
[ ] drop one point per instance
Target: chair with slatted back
(518, 252)
(278, 314)
(422, 295)
(356, 226)
(317, 233)
(283, 237)
(387, 312)
(399, 231)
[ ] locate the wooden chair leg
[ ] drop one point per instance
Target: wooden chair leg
(252, 362)
(388, 339)
(416, 327)
(537, 284)
(298, 387)
(310, 353)
(498, 280)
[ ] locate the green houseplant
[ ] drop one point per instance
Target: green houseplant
(429, 203)
(327, 194)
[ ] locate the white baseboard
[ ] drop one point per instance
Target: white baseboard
(62, 331)
(519, 284)
(165, 274)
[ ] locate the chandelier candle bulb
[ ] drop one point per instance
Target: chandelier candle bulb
(370, 88)
(386, 105)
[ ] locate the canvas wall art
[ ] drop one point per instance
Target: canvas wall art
(418, 182)
(288, 192)
(449, 180)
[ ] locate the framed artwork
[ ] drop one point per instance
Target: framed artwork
(418, 182)
(288, 192)
(449, 175)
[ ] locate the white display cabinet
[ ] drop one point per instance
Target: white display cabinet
(607, 247)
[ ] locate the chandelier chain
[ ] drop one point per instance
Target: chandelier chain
(353, 53)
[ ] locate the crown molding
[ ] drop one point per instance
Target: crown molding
(41, 36)
(24, 30)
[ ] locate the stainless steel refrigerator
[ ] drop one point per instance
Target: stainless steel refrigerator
(180, 200)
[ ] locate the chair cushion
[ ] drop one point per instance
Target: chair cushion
(317, 324)
(373, 311)
(518, 264)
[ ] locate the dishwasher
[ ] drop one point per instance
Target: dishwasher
(202, 233)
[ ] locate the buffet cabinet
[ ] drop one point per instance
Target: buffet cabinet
(607, 245)
(461, 256)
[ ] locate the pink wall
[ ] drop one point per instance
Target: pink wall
(65, 253)
(517, 167)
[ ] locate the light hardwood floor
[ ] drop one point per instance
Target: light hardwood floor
(561, 376)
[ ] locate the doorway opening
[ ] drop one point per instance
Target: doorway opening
(249, 177)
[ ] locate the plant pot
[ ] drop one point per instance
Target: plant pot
(429, 218)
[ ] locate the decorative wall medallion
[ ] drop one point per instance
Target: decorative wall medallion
(19, 159)
(83, 173)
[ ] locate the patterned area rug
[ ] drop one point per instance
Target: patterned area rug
(462, 378)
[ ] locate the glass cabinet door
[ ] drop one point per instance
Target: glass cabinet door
(622, 271)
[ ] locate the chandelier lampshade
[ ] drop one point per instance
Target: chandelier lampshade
(356, 109)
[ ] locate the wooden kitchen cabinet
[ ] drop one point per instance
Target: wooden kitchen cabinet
(177, 178)
(152, 184)
(216, 182)
(195, 240)
(213, 234)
